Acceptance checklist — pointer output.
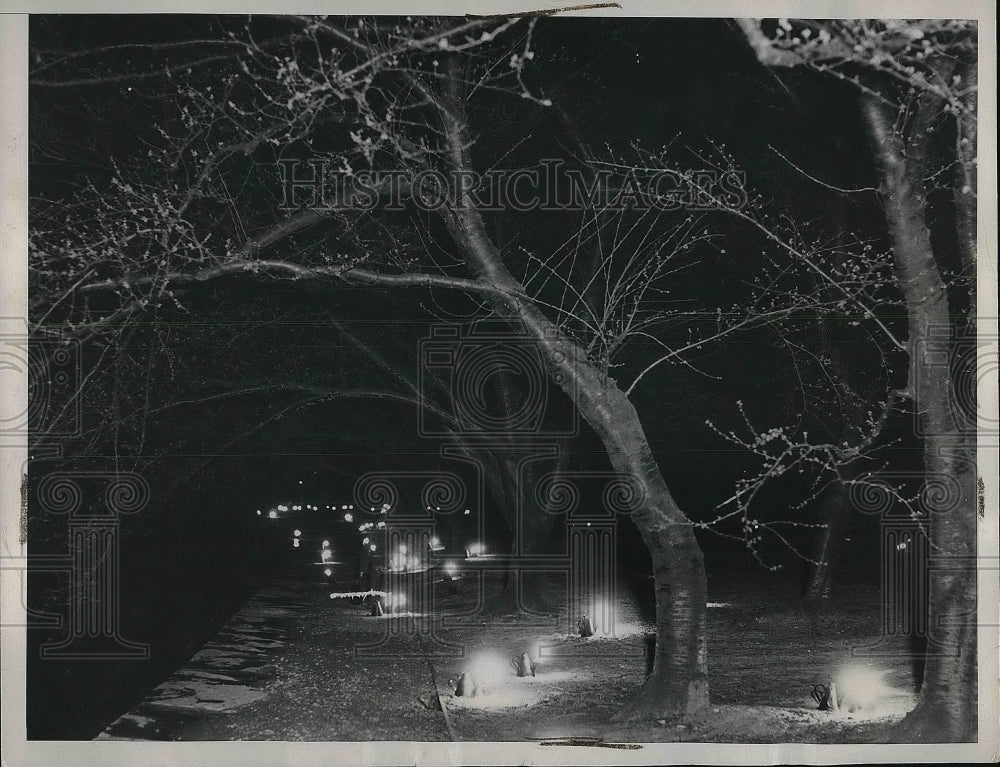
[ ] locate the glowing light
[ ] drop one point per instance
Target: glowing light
(272, 515)
(402, 548)
(860, 686)
(328, 572)
(344, 507)
(348, 517)
(467, 512)
(435, 543)
(295, 543)
(366, 540)
(476, 549)
(395, 601)
(326, 554)
(300, 481)
(489, 669)
(282, 507)
(297, 533)
(258, 512)
(450, 569)
(381, 525)
(372, 547)
(326, 544)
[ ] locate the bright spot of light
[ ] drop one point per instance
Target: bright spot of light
(300, 481)
(282, 507)
(258, 512)
(450, 569)
(295, 543)
(435, 542)
(298, 533)
(489, 669)
(326, 544)
(467, 512)
(372, 547)
(860, 686)
(327, 554)
(396, 601)
(348, 517)
(328, 572)
(402, 548)
(272, 515)
(344, 507)
(366, 540)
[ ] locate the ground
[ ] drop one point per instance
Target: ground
(297, 665)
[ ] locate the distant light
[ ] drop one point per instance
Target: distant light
(372, 547)
(467, 512)
(381, 525)
(328, 572)
(300, 481)
(282, 507)
(373, 508)
(402, 548)
(396, 601)
(366, 540)
(272, 515)
(295, 543)
(326, 554)
(258, 512)
(344, 507)
(348, 517)
(297, 533)
(435, 542)
(326, 544)
(351, 506)
(450, 569)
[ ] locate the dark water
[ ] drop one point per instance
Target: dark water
(174, 599)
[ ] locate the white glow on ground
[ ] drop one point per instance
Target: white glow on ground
(510, 691)
(719, 604)
(862, 693)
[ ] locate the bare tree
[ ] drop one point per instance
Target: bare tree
(917, 81)
(381, 94)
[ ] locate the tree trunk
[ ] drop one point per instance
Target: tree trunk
(834, 514)
(678, 683)
(947, 706)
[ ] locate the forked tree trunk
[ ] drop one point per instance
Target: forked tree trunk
(947, 706)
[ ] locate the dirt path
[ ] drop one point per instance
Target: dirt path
(295, 665)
